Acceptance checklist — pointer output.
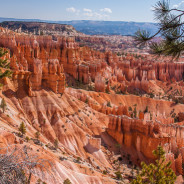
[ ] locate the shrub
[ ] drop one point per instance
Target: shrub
(109, 104)
(104, 172)
(67, 181)
(118, 175)
(86, 101)
(27, 138)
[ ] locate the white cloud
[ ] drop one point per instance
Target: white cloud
(87, 10)
(96, 15)
(71, 10)
(178, 5)
(88, 14)
(107, 10)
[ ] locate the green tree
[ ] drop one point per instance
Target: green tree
(158, 173)
(118, 175)
(56, 143)
(170, 28)
(146, 110)
(109, 104)
(22, 128)
(135, 112)
(67, 181)
(37, 135)
(3, 105)
(4, 64)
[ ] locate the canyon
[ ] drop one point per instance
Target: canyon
(107, 111)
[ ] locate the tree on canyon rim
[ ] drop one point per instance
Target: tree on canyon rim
(170, 31)
(160, 172)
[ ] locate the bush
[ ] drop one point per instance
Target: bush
(104, 172)
(86, 101)
(109, 104)
(67, 181)
(27, 138)
(151, 95)
(118, 175)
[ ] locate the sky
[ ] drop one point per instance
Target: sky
(110, 10)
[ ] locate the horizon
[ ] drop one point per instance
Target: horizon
(72, 10)
(57, 21)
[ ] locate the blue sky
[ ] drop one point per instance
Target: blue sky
(115, 10)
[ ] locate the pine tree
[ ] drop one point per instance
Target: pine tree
(22, 128)
(146, 110)
(56, 143)
(3, 105)
(170, 28)
(158, 173)
(135, 112)
(5, 65)
(37, 135)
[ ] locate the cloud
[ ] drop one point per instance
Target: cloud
(106, 10)
(178, 5)
(87, 13)
(71, 10)
(87, 10)
(96, 15)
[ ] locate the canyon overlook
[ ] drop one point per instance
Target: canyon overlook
(125, 109)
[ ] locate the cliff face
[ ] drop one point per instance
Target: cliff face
(140, 137)
(53, 57)
(75, 125)
(41, 28)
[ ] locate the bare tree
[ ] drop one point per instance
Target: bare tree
(17, 166)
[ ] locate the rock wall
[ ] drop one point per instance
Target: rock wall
(139, 138)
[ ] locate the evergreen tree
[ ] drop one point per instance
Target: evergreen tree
(3, 105)
(4, 64)
(37, 135)
(146, 110)
(56, 143)
(158, 173)
(22, 128)
(135, 112)
(170, 28)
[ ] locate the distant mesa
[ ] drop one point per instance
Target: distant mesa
(91, 27)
